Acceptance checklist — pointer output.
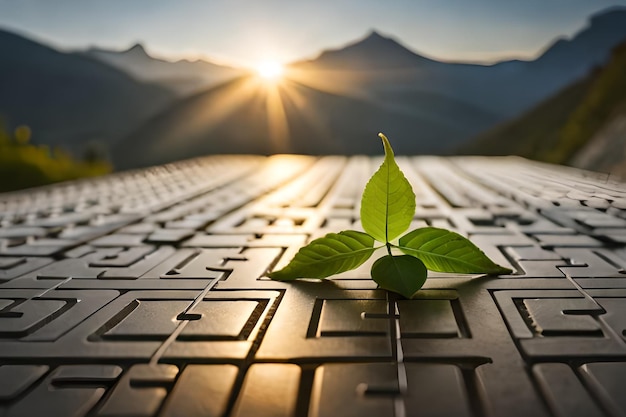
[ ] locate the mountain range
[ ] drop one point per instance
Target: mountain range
(151, 111)
(184, 77)
(583, 125)
(382, 64)
(245, 117)
(70, 99)
(337, 102)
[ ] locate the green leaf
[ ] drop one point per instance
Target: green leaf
(444, 251)
(388, 202)
(402, 274)
(329, 255)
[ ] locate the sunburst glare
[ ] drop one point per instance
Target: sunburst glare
(270, 70)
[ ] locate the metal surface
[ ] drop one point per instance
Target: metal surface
(143, 294)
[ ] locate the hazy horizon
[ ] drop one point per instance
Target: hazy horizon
(270, 31)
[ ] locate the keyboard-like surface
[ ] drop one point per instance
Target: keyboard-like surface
(143, 294)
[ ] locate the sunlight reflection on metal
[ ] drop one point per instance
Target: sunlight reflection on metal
(279, 164)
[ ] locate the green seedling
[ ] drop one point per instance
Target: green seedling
(387, 209)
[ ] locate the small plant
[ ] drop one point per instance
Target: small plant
(387, 209)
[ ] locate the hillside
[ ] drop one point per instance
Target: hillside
(580, 125)
(23, 165)
(247, 116)
(595, 135)
(183, 76)
(534, 134)
(68, 99)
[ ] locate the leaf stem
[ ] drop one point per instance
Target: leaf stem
(388, 248)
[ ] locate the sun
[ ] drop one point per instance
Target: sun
(270, 70)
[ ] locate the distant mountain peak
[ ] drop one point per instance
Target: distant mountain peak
(605, 28)
(375, 39)
(374, 34)
(136, 49)
(372, 51)
(608, 12)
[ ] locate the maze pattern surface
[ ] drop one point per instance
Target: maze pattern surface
(144, 294)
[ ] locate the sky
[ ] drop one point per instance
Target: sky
(246, 32)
